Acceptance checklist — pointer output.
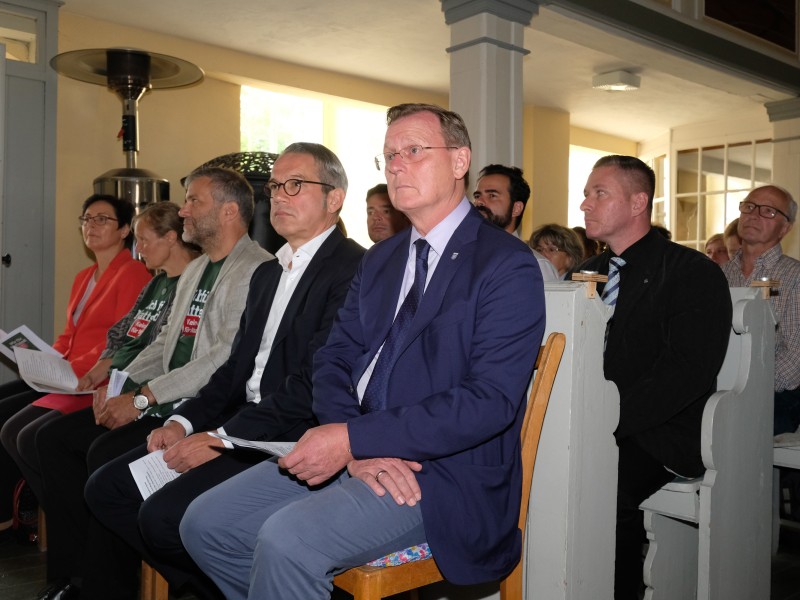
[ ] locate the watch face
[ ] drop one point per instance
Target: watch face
(141, 402)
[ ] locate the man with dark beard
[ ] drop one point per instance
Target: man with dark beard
(500, 196)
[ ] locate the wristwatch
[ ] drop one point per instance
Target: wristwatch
(140, 401)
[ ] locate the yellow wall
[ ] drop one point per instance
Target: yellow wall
(178, 129)
(602, 141)
(545, 154)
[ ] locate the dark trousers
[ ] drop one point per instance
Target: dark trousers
(150, 527)
(18, 436)
(70, 448)
(787, 411)
(14, 396)
(640, 476)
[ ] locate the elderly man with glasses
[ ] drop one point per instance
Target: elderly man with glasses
(419, 393)
(767, 215)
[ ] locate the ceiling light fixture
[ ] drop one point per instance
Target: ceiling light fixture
(616, 81)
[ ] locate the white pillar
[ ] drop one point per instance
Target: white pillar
(486, 52)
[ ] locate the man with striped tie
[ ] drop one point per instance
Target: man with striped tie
(665, 343)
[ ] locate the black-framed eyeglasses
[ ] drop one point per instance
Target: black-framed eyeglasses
(409, 154)
(292, 187)
(765, 210)
(99, 220)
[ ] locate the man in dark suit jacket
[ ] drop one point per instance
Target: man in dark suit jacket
(433, 457)
(263, 390)
(666, 342)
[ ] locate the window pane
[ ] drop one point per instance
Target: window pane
(357, 136)
(740, 161)
(685, 228)
(687, 172)
(713, 168)
(581, 161)
(732, 200)
(18, 33)
(270, 121)
(714, 215)
(763, 163)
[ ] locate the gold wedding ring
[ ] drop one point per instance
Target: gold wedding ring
(379, 473)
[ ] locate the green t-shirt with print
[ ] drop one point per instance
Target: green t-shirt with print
(191, 320)
(148, 310)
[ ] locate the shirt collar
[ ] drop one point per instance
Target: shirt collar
(304, 253)
(439, 236)
(641, 248)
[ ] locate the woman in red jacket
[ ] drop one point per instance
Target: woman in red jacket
(101, 295)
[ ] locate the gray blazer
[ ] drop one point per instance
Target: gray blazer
(215, 333)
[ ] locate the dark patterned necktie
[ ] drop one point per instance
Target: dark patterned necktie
(611, 291)
(375, 394)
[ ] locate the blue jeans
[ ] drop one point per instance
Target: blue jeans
(262, 534)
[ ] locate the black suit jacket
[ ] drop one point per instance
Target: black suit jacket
(284, 412)
(666, 343)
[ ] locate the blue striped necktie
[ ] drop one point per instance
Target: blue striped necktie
(611, 291)
(375, 394)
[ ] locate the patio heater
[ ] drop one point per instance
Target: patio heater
(129, 73)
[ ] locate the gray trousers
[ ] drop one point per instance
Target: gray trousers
(264, 535)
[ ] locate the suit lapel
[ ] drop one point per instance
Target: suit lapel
(262, 303)
(384, 293)
(458, 252)
(319, 260)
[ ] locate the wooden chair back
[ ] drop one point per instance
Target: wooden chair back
(374, 583)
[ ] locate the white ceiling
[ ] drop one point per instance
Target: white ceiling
(404, 41)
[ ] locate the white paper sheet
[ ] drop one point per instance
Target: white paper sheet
(274, 448)
(151, 473)
(23, 337)
(45, 372)
(115, 382)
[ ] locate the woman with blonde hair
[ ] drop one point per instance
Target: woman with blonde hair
(560, 245)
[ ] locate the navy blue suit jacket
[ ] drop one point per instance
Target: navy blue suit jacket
(284, 412)
(457, 392)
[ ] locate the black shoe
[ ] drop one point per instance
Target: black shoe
(60, 591)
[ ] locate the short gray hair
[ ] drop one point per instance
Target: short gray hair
(329, 166)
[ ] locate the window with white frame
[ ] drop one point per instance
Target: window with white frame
(709, 184)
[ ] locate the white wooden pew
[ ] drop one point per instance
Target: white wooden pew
(710, 538)
(569, 551)
(570, 548)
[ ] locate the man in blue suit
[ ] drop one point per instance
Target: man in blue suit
(420, 392)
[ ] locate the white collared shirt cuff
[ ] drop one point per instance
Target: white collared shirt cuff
(226, 443)
(185, 423)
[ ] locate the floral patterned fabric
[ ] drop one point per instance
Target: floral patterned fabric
(412, 554)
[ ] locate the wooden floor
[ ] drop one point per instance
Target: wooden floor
(22, 569)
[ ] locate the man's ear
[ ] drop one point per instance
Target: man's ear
(230, 211)
(639, 203)
(335, 200)
(462, 160)
(517, 208)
